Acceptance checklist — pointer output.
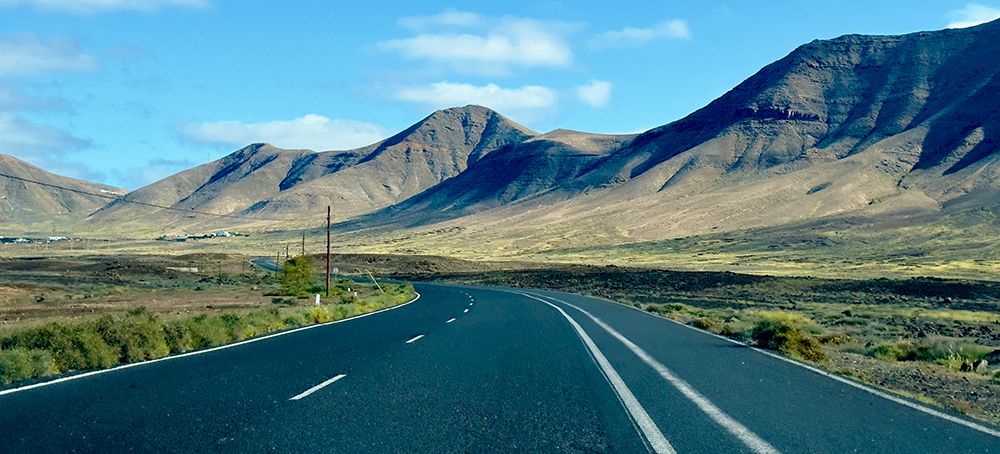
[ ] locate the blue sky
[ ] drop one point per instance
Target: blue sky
(129, 91)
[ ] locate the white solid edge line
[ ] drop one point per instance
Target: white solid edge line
(645, 424)
(861, 386)
(741, 432)
(450, 320)
(855, 384)
(318, 387)
(415, 338)
(197, 352)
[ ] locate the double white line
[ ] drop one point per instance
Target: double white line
(656, 439)
(642, 420)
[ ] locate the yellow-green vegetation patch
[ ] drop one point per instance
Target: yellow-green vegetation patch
(140, 335)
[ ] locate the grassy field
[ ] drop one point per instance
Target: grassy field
(959, 244)
(68, 314)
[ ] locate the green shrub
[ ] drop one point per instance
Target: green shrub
(707, 324)
(294, 320)
(732, 331)
(834, 339)
(136, 336)
(297, 276)
(177, 334)
(319, 314)
(208, 331)
(265, 321)
(782, 336)
(71, 347)
(888, 351)
(236, 327)
(22, 364)
(940, 350)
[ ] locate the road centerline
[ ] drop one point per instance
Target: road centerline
(415, 338)
(644, 423)
(450, 320)
(741, 432)
(317, 387)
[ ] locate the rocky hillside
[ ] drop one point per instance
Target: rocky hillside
(23, 203)
(885, 124)
(548, 164)
(861, 125)
(264, 182)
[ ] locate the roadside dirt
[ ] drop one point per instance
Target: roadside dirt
(965, 393)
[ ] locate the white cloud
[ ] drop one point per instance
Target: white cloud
(597, 93)
(447, 18)
(28, 55)
(509, 41)
(448, 94)
(633, 36)
(153, 170)
(971, 15)
(25, 138)
(100, 6)
(314, 132)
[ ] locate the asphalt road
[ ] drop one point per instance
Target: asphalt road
(266, 264)
(466, 369)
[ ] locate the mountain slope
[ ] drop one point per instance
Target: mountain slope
(22, 202)
(866, 126)
(854, 119)
(264, 182)
(546, 164)
(437, 148)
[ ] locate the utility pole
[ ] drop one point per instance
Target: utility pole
(328, 251)
(286, 252)
(303, 244)
(376, 282)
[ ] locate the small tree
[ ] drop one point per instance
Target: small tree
(297, 276)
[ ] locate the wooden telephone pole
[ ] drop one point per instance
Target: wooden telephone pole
(328, 250)
(303, 244)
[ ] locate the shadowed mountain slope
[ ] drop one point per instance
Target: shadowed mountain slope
(547, 164)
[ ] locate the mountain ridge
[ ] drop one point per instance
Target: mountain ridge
(263, 181)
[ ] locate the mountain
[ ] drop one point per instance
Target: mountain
(264, 182)
(862, 126)
(882, 133)
(876, 123)
(546, 164)
(23, 202)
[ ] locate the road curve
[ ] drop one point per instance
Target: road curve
(477, 369)
(266, 264)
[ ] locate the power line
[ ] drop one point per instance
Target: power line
(121, 198)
